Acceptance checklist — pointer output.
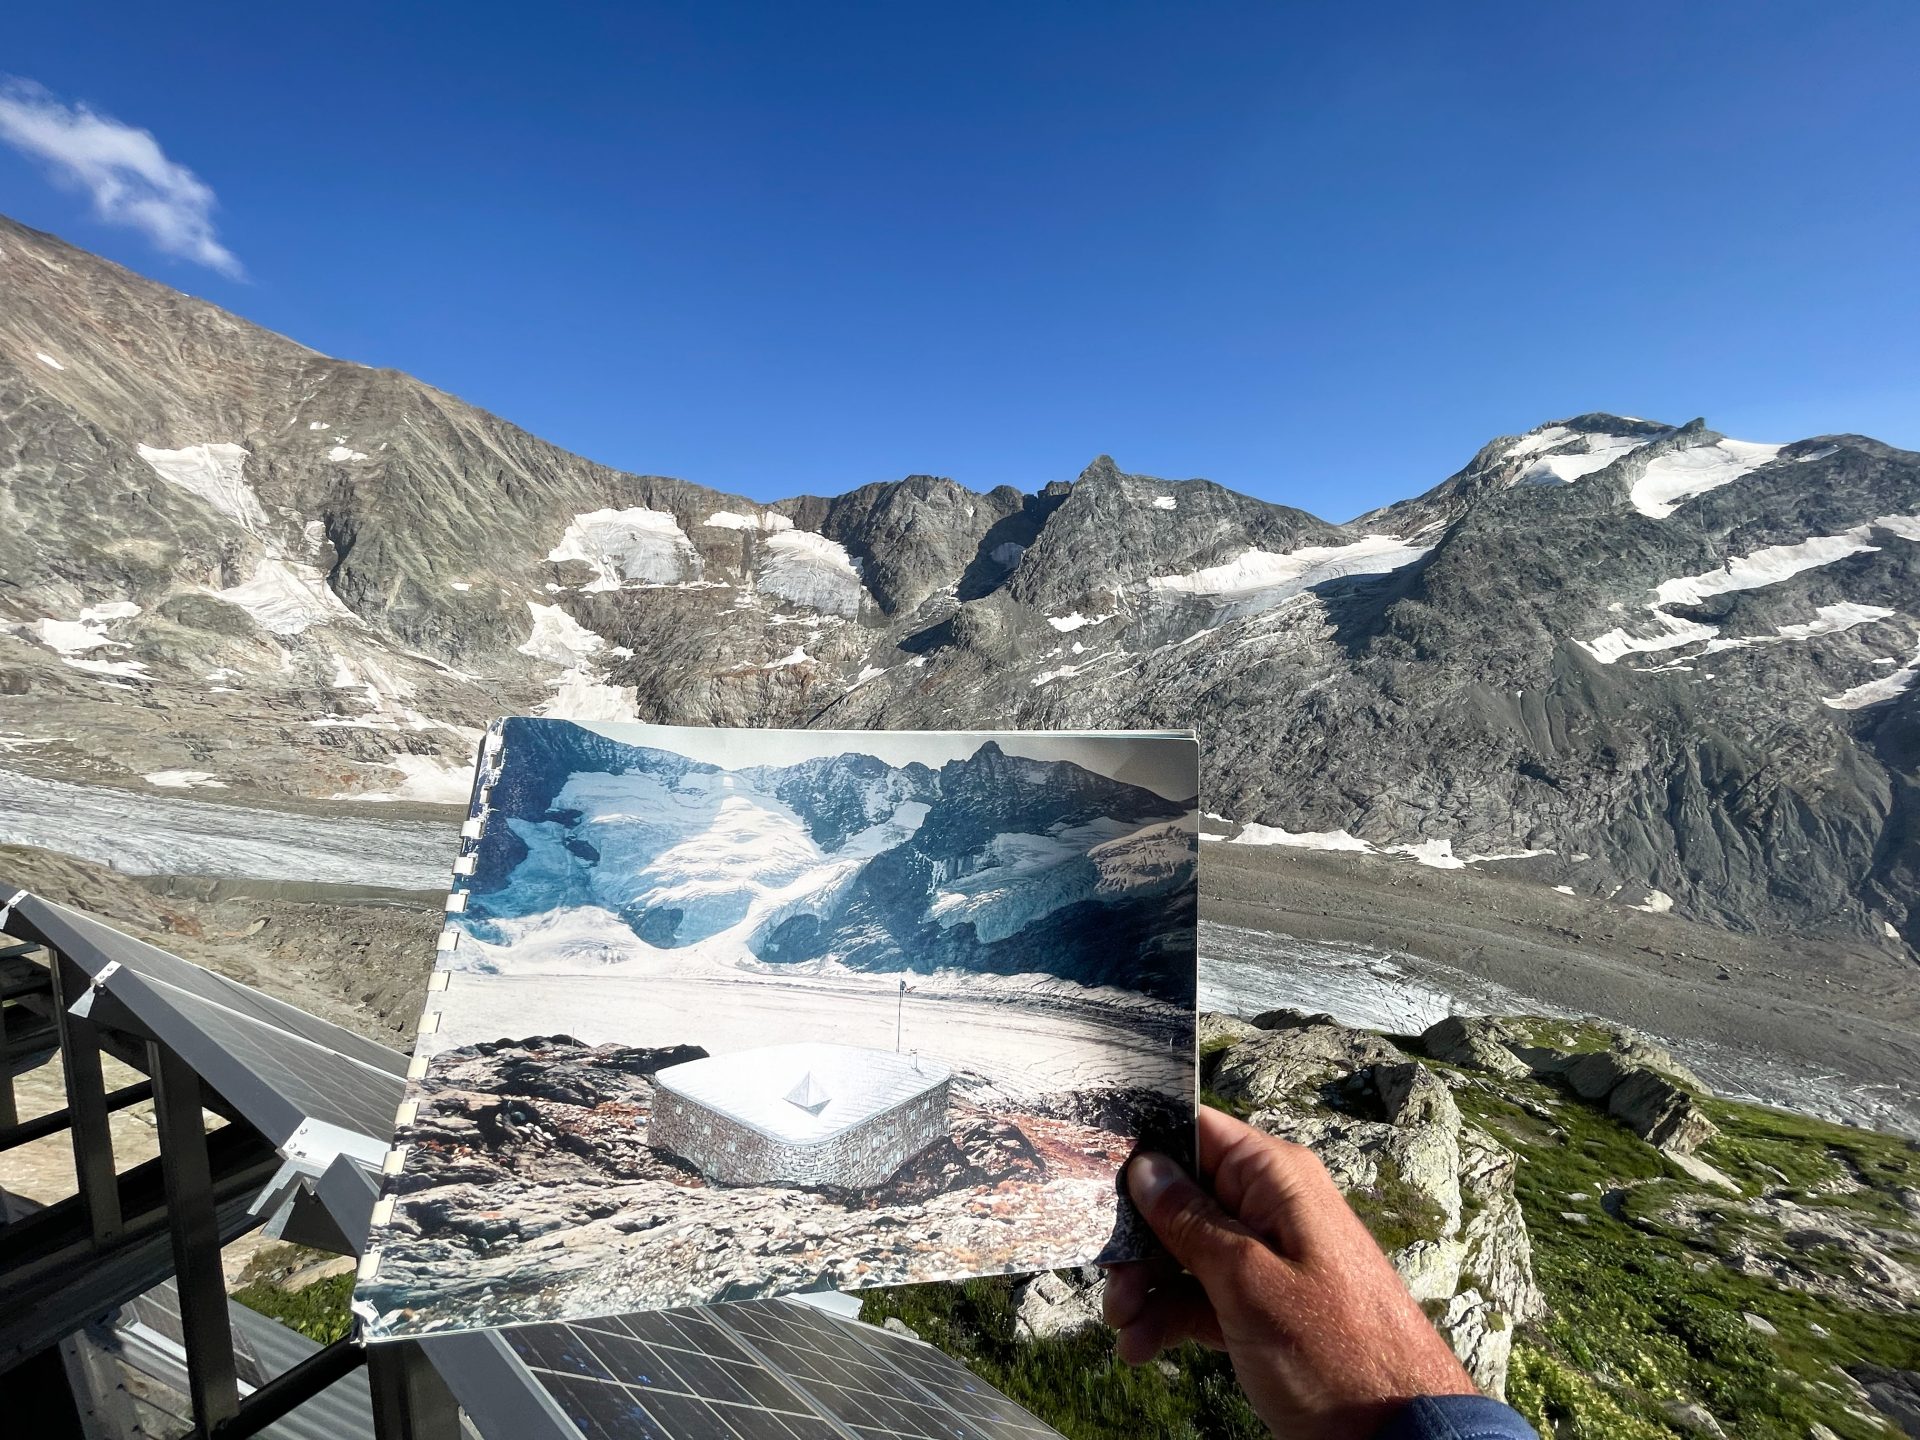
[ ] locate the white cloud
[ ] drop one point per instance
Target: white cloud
(122, 169)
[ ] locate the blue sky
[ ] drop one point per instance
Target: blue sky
(1317, 253)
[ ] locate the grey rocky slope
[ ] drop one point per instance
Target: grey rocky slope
(1665, 666)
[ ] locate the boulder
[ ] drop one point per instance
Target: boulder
(1499, 1255)
(1706, 1174)
(1430, 1268)
(1660, 1112)
(1894, 1393)
(1404, 1168)
(1053, 1306)
(1267, 1069)
(1592, 1076)
(1214, 1029)
(1291, 1019)
(1478, 1042)
(1690, 1417)
(1481, 1334)
(1411, 1094)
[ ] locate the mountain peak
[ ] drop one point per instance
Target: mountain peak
(1101, 468)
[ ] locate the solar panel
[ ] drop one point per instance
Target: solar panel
(760, 1370)
(315, 1090)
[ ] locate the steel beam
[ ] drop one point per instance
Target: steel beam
(93, 1165)
(54, 1121)
(212, 1383)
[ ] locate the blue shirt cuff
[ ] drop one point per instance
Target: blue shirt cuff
(1456, 1417)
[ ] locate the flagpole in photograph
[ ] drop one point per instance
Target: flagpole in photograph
(899, 1016)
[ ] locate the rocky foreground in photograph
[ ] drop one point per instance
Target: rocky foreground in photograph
(1603, 1241)
(530, 1192)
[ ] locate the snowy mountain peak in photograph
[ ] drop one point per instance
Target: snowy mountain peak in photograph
(603, 849)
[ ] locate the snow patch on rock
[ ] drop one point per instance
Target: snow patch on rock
(288, 598)
(1583, 455)
(340, 455)
(1544, 438)
(558, 638)
(1271, 576)
(1878, 690)
(45, 359)
(1681, 474)
(1828, 620)
(214, 474)
(1165, 502)
(184, 780)
(635, 546)
(1769, 565)
(811, 570)
(767, 520)
(424, 778)
(126, 669)
(1068, 623)
(1257, 834)
(1438, 854)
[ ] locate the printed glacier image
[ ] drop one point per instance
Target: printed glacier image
(722, 1014)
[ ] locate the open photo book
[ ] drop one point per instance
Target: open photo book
(730, 1013)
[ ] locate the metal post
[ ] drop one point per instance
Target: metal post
(93, 1164)
(410, 1400)
(208, 1337)
(9, 1109)
(900, 1017)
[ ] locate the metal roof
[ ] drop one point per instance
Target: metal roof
(146, 1336)
(756, 1088)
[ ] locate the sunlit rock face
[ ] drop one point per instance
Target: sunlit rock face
(1634, 659)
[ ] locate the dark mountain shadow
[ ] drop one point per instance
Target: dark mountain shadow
(986, 574)
(1358, 604)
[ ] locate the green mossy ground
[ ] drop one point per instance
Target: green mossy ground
(319, 1311)
(1643, 1314)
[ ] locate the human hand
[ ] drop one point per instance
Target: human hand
(1280, 1273)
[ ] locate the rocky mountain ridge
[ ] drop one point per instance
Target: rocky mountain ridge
(1639, 661)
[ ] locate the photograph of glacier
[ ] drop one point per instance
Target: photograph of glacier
(722, 1014)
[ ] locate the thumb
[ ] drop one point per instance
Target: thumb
(1204, 1238)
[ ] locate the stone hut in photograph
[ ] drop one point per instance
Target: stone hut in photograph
(800, 1114)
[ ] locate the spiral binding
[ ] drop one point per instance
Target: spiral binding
(446, 945)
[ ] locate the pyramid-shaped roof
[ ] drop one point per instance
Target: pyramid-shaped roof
(809, 1094)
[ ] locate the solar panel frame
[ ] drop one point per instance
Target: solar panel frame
(314, 1089)
(752, 1370)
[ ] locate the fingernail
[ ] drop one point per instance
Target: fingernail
(1149, 1176)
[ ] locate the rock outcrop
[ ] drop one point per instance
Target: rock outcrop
(1055, 1305)
(1437, 1192)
